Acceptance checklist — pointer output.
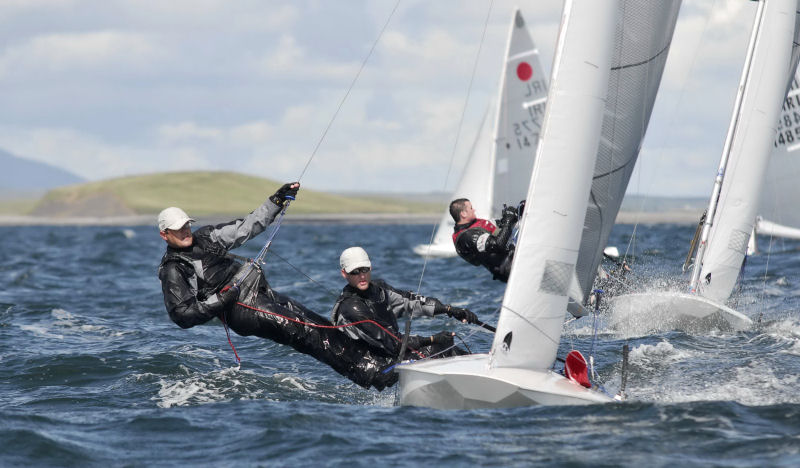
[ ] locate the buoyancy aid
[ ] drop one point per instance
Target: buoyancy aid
(478, 223)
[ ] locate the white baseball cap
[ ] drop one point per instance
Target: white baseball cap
(354, 257)
(172, 218)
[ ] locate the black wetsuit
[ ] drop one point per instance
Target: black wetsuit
(383, 305)
(481, 244)
(191, 279)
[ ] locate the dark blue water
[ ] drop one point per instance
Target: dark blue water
(93, 372)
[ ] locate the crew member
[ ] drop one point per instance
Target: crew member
(201, 280)
(374, 307)
(480, 242)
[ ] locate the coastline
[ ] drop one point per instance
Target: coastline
(624, 217)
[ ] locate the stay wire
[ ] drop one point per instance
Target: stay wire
(352, 85)
(458, 131)
(278, 222)
(672, 118)
(295, 268)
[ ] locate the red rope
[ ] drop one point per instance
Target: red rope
(314, 325)
(228, 334)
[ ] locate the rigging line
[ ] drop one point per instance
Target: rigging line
(347, 94)
(295, 268)
(679, 101)
(458, 130)
(764, 279)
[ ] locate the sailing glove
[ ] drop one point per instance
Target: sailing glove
(416, 342)
(462, 314)
(444, 338)
(229, 296)
(286, 192)
(509, 216)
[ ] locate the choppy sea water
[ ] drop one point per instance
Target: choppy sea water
(93, 372)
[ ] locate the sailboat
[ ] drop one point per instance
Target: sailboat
(777, 214)
(597, 39)
(769, 65)
(499, 166)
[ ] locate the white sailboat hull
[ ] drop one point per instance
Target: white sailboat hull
(639, 314)
(467, 382)
(436, 250)
(769, 228)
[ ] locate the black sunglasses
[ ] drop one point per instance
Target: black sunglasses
(359, 271)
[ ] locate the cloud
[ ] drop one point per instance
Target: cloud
(91, 158)
(80, 52)
(131, 86)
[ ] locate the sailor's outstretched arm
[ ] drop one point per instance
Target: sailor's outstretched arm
(237, 232)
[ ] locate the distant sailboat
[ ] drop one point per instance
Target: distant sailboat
(726, 231)
(778, 215)
(597, 39)
(498, 172)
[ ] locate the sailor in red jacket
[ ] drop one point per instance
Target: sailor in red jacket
(480, 242)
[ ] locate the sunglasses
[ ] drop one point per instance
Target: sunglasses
(359, 271)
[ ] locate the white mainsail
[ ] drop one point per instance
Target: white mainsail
(535, 300)
(498, 171)
(746, 153)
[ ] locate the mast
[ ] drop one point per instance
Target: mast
(747, 151)
(529, 327)
(726, 149)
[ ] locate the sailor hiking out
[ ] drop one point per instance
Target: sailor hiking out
(480, 242)
(201, 280)
(375, 306)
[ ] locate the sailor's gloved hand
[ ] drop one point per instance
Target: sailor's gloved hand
(464, 315)
(521, 208)
(287, 191)
(416, 342)
(444, 338)
(229, 296)
(509, 216)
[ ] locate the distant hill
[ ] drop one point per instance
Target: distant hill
(204, 194)
(21, 175)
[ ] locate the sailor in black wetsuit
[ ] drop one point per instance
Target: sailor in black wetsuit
(377, 305)
(480, 242)
(201, 281)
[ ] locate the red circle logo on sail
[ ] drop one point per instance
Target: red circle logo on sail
(524, 71)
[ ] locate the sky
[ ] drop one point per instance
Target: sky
(110, 88)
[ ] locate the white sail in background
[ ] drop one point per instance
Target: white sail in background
(778, 212)
(519, 117)
(641, 51)
(534, 306)
(498, 172)
(475, 185)
(753, 128)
